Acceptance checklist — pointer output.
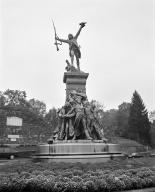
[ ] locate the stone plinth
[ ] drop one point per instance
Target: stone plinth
(83, 151)
(75, 81)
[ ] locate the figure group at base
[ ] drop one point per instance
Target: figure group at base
(74, 48)
(77, 119)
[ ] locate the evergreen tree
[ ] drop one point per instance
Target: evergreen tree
(139, 125)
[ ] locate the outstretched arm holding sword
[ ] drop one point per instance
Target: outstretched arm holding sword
(74, 49)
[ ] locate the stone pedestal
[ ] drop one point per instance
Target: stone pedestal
(83, 151)
(75, 81)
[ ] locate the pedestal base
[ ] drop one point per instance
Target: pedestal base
(83, 151)
(75, 81)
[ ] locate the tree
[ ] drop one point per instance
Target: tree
(109, 123)
(2, 99)
(52, 119)
(38, 107)
(15, 97)
(139, 125)
(122, 119)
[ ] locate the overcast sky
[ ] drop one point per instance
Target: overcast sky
(117, 45)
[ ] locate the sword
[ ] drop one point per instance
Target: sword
(56, 43)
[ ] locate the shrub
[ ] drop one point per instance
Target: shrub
(48, 172)
(25, 174)
(114, 183)
(67, 174)
(76, 179)
(37, 172)
(77, 172)
(68, 180)
(100, 185)
(127, 181)
(88, 186)
(59, 186)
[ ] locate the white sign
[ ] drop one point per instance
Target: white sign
(152, 116)
(13, 139)
(13, 136)
(14, 121)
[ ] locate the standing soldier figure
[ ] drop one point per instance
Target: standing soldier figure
(74, 49)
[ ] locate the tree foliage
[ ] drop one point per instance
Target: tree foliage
(115, 121)
(52, 118)
(15, 103)
(122, 119)
(15, 97)
(139, 125)
(39, 107)
(109, 122)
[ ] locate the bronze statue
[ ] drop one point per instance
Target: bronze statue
(61, 123)
(65, 122)
(93, 124)
(74, 49)
(77, 119)
(69, 118)
(80, 128)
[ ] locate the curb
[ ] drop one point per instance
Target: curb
(152, 189)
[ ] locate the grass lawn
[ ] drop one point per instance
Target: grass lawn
(28, 165)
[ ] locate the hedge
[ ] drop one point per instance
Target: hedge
(75, 180)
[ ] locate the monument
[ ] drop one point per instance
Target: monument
(79, 136)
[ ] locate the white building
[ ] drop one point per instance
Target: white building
(152, 116)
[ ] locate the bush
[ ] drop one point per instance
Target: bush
(67, 173)
(45, 178)
(77, 179)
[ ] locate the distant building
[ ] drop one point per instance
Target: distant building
(152, 116)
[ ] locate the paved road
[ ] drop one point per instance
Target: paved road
(9, 162)
(142, 190)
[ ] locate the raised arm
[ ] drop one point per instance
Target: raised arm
(81, 26)
(62, 40)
